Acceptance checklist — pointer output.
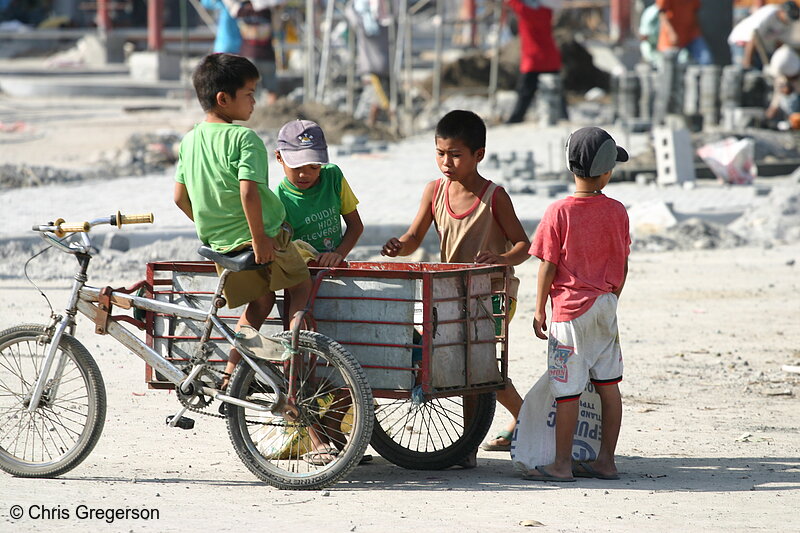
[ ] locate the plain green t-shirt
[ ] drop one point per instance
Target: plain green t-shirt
(213, 158)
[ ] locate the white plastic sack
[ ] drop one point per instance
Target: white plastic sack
(534, 439)
(731, 160)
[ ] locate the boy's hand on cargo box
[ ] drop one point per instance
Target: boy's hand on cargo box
(489, 258)
(329, 259)
(392, 247)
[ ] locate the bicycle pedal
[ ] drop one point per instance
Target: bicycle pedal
(183, 422)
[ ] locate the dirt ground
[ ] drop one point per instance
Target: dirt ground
(709, 442)
(709, 439)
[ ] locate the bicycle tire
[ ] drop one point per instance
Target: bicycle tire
(431, 435)
(276, 449)
(63, 430)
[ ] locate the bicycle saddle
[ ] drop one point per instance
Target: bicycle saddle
(234, 261)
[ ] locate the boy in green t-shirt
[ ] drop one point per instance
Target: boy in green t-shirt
(315, 194)
(221, 184)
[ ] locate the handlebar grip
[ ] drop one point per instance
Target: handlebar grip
(134, 219)
(76, 227)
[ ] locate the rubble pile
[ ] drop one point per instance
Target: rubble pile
(691, 234)
(108, 264)
(774, 220)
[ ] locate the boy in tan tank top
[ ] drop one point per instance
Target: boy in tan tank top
(476, 223)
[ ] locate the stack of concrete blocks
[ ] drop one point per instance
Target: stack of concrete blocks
(691, 93)
(701, 95)
(709, 102)
(647, 90)
(517, 172)
(550, 106)
(626, 91)
(744, 97)
(674, 155)
(669, 88)
(359, 144)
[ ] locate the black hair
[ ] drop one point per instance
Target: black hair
(221, 73)
(464, 126)
(791, 9)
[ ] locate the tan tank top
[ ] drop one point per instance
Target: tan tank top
(463, 235)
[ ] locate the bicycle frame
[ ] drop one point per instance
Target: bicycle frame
(84, 299)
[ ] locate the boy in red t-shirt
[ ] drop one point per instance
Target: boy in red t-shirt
(583, 242)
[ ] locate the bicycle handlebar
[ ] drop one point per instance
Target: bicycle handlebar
(60, 228)
(120, 219)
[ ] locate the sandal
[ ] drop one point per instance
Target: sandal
(322, 456)
(495, 444)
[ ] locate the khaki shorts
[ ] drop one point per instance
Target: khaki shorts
(286, 270)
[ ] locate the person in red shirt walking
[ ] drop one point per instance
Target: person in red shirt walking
(680, 29)
(538, 52)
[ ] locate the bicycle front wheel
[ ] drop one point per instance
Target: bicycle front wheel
(327, 434)
(432, 435)
(57, 436)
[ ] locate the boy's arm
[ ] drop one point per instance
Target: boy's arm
(412, 238)
(547, 273)
(624, 277)
(263, 245)
(354, 230)
(181, 197)
(504, 214)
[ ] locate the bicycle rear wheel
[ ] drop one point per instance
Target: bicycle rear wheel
(432, 435)
(335, 409)
(59, 434)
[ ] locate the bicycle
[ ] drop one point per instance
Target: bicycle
(289, 389)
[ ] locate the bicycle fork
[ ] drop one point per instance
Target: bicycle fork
(61, 326)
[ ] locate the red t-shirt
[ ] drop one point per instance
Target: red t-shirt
(538, 50)
(682, 15)
(588, 239)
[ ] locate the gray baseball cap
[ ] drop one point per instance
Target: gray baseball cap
(301, 142)
(592, 152)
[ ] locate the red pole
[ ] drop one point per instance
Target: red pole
(155, 25)
(620, 19)
(472, 9)
(103, 17)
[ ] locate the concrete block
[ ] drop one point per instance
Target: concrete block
(115, 241)
(154, 66)
(674, 155)
(99, 51)
(648, 218)
(548, 189)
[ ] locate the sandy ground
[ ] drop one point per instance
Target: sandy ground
(709, 441)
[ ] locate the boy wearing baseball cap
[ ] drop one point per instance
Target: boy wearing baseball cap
(583, 243)
(315, 194)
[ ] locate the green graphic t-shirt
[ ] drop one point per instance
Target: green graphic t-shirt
(213, 158)
(315, 213)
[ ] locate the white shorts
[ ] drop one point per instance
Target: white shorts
(585, 348)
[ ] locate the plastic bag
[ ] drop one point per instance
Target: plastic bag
(731, 160)
(534, 439)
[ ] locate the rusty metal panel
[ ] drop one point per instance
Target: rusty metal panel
(460, 335)
(373, 319)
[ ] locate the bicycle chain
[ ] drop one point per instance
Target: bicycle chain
(200, 409)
